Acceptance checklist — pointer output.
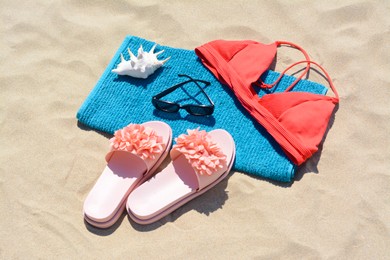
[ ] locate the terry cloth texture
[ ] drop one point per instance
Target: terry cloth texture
(117, 101)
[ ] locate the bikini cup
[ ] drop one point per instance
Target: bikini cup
(296, 120)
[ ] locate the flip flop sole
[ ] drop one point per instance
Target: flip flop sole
(105, 223)
(185, 200)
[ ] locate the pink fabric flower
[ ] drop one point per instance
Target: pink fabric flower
(202, 153)
(138, 139)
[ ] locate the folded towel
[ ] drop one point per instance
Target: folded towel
(119, 100)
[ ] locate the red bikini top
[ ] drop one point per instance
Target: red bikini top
(296, 120)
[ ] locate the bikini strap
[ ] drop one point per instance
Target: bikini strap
(278, 44)
(322, 69)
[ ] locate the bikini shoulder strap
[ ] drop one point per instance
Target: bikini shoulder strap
(328, 78)
(293, 45)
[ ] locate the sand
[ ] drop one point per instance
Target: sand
(53, 52)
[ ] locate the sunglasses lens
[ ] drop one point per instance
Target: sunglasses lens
(166, 106)
(200, 110)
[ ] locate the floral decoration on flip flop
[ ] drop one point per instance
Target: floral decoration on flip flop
(138, 139)
(202, 153)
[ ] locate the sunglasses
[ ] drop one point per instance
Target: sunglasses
(193, 109)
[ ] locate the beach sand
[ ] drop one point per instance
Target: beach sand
(53, 52)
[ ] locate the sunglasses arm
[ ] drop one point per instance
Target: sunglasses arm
(173, 88)
(204, 92)
(170, 90)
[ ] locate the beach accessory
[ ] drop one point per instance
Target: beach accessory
(115, 101)
(200, 160)
(145, 64)
(193, 109)
(296, 120)
(136, 152)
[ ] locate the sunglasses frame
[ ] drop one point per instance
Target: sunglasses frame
(157, 98)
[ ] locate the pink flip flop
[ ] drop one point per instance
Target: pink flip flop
(136, 152)
(200, 160)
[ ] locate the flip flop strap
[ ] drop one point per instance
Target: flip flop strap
(205, 157)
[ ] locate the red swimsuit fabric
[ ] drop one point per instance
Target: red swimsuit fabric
(296, 120)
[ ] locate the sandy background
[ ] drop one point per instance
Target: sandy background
(53, 52)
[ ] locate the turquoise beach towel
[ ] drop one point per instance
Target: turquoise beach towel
(117, 101)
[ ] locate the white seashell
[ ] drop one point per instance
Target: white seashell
(145, 64)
